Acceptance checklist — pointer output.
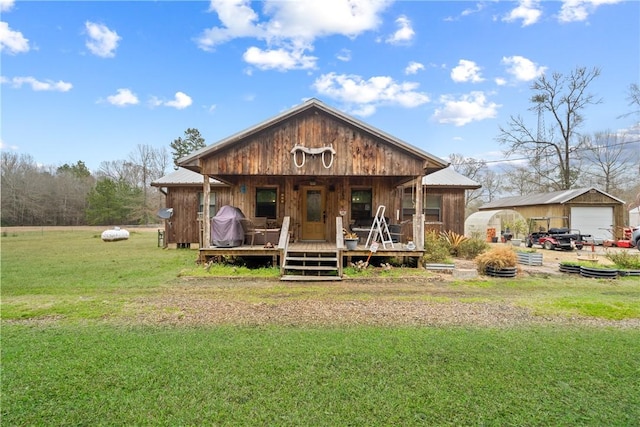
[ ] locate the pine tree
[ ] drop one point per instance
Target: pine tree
(184, 146)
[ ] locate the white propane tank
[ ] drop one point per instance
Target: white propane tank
(115, 234)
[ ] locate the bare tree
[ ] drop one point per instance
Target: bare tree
(564, 98)
(519, 181)
(609, 160)
(478, 171)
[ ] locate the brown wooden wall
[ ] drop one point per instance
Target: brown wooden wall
(338, 195)
(453, 208)
(183, 226)
(269, 152)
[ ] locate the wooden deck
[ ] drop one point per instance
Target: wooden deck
(206, 254)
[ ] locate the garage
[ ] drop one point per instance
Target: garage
(590, 210)
(593, 220)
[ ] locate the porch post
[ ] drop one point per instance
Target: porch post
(418, 218)
(206, 223)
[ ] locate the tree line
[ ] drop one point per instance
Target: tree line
(549, 155)
(119, 192)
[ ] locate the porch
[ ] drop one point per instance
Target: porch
(311, 260)
(206, 254)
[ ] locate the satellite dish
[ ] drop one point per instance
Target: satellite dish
(165, 213)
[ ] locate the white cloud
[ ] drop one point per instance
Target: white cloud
(466, 71)
(468, 108)
(500, 81)
(366, 95)
(344, 55)
(12, 41)
(413, 67)
(579, 10)
(123, 98)
(278, 59)
(102, 41)
(180, 102)
(522, 69)
(528, 11)
(6, 5)
(4, 146)
(38, 85)
(289, 26)
(404, 33)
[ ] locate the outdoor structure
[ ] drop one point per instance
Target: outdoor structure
(634, 217)
(589, 210)
(184, 196)
(312, 171)
(490, 224)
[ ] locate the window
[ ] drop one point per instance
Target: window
(433, 208)
(266, 205)
(408, 204)
(212, 204)
(361, 204)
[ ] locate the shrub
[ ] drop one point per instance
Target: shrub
(624, 259)
(436, 250)
(453, 241)
(498, 257)
(471, 248)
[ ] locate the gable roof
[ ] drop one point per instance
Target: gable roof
(191, 161)
(556, 197)
(183, 178)
(448, 177)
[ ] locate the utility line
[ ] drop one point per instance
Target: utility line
(545, 155)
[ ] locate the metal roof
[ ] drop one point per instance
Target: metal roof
(556, 197)
(183, 177)
(448, 177)
(191, 161)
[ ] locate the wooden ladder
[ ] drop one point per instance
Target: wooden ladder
(380, 228)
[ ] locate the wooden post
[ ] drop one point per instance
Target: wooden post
(418, 219)
(206, 222)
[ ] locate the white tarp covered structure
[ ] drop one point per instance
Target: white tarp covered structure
(634, 217)
(477, 224)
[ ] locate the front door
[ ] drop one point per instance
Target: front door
(313, 213)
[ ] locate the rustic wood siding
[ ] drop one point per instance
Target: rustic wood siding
(183, 226)
(338, 195)
(453, 208)
(269, 152)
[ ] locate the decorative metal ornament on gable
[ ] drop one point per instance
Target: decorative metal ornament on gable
(300, 152)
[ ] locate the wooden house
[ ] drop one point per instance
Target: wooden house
(313, 170)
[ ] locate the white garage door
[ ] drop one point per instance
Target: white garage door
(596, 221)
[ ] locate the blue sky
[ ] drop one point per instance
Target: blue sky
(90, 81)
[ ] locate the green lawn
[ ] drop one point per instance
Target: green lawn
(148, 375)
(74, 354)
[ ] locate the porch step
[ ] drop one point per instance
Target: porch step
(294, 278)
(311, 265)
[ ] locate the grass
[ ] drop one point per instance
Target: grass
(101, 375)
(73, 352)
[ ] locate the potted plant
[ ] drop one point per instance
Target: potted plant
(518, 227)
(500, 261)
(350, 240)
